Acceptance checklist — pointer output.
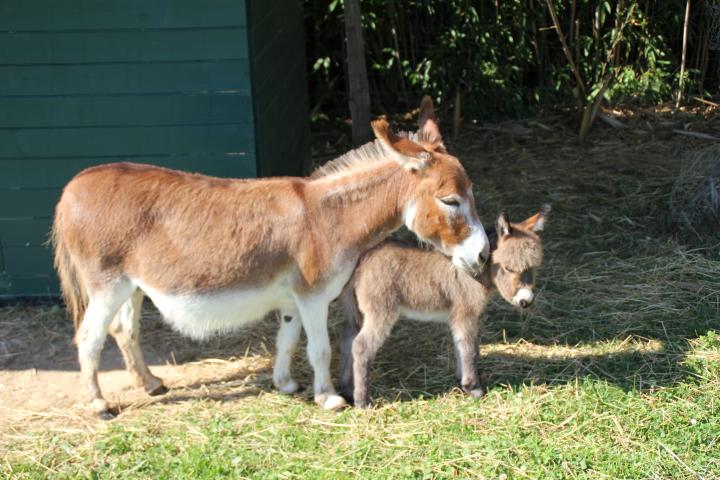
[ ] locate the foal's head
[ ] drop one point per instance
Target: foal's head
(441, 207)
(518, 254)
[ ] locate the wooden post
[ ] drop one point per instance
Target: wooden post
(684, 54)
(358, 89)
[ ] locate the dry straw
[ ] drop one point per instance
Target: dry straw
(695, 197)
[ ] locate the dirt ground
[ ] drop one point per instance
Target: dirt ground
(39, 376)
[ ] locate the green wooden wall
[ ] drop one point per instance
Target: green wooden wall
(212, 86)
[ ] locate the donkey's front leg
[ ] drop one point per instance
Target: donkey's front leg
(287, 341)
(464, 331)
(313, 313)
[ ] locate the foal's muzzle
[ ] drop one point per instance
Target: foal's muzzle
(524, 298)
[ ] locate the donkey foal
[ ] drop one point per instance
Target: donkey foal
(393, 281)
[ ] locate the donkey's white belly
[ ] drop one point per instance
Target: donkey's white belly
(439, 316)
(202, 315)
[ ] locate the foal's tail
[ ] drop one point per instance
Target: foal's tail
(353, 315)
(353, 321)
(73, 293)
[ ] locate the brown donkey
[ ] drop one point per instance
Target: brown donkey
(393, 281)
(216, 254)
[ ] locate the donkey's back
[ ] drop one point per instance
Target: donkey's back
(174, 231)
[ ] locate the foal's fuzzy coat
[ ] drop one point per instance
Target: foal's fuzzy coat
(392, 280)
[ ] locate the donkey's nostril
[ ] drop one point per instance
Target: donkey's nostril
(524, 303)
(482, 258)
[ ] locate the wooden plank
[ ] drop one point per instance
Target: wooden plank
(37, 285)
(123, 46)
(25, 232)
(28, 260)
(230, 76)
(55, 173)
(43, 15)
(124, 141)
(28, 203)
(146, 110)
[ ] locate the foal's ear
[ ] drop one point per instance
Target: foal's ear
(427, 121)
(502, 226)
(406, 152)
(536, 223)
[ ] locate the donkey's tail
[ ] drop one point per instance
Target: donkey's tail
(73, 293)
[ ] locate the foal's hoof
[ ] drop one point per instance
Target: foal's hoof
(477, 393)
(330, 401)
(288, 387)
(364, 405)
(347, 395)
(158, 390)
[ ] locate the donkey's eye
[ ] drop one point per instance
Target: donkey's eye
(451, 202)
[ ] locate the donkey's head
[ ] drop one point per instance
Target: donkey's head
(518, 254)
(440, 207)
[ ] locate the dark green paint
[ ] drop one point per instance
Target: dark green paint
(56, 172)
(103, 141)
(213, 87)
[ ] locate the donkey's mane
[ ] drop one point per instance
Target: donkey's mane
(354, 160)
(359, 158)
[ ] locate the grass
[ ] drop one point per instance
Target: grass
(614, 374)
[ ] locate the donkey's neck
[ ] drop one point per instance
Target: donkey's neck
(361, 208)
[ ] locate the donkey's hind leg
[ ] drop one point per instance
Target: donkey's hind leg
(287, 341)
(102, 306)
(125, 328)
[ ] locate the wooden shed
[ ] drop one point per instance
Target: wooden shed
(215, 86)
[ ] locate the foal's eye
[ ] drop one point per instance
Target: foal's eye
(451, 202)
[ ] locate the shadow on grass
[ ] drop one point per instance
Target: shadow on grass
(633, 365)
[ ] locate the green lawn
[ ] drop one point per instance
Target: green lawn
(614, 374)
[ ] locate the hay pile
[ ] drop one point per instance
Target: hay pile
(695, 198)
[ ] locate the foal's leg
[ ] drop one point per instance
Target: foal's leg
(375, 330)
(287, 341)
(313, 314)
(125, 328)
(464, 332)
(102, 306)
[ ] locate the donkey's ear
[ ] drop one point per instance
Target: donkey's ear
(536, 223)
(429, 130)
(502, 226)
(406, 152)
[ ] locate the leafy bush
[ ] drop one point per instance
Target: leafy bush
(505, 58)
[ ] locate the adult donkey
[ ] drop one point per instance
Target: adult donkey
(216, 254)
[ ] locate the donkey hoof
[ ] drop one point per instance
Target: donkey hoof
(331, 401)
(158, 390)
(288, 387)
(106, 415)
